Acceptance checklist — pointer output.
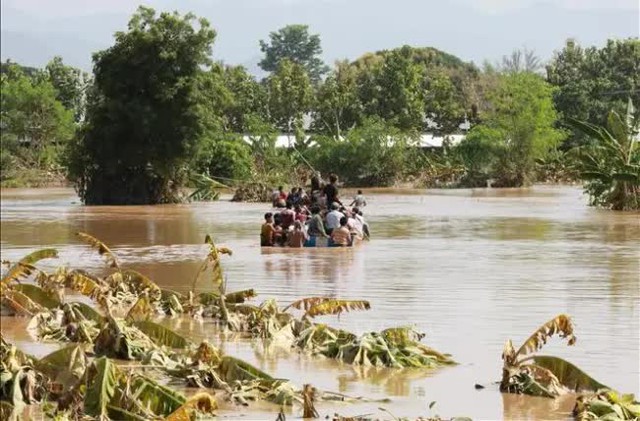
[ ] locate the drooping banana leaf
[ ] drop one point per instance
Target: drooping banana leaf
(83, 282)
(141, 310)
(101, 248)
(65, 366)
(120, 340)
(140, 282)
(60, 360)
(199, 403)
(162, 335)
(102, 381)
(306, 303)
(568, 374)
(36, 256)
(24, 267)
(337, 307)
(72, 310)
(15, 273)
(38, 295)
(560, 324)
(117, 413)
(155, 397)
(20, 303)
(233, 369)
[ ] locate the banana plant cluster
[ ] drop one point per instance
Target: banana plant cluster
(611, 166)
(550, 376)
(120, 327)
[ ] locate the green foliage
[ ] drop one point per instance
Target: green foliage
(102, 381)
(35, 125)
(70, 84)
(337, 107)
(293, 43)
(226, 156)
(611, 166)
(593, 81)
(143, 121)
(290, 95)
(392, 90)
(516, 129)
(373, 154)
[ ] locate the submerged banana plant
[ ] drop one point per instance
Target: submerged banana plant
(606, 405)
(542, 375)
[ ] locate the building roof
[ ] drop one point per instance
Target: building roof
(425, 141)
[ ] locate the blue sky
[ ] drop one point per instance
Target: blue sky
(33, 31)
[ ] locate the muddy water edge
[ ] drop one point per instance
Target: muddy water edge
(470, 268)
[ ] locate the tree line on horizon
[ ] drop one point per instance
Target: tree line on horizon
(157, 110)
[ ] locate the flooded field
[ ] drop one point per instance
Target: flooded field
(469, 268)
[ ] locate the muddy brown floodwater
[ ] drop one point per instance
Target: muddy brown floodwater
(471, 268)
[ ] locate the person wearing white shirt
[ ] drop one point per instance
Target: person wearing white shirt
(333, 218)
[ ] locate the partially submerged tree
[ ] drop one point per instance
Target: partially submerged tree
(142, 122)
(518, 127)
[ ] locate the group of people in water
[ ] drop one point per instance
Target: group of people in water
(315, 219)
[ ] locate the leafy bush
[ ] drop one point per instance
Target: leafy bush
(224, 156)
(373, 154)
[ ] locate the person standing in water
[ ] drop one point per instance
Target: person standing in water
(298, 237)
(359, 200)
(267, 231)
(331, 190)
(341, 237)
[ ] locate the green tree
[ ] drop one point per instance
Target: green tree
(225, 156)
(290, 95)
(337, 106)
(35, 125)
(248, 97)
(143, 119)
(372, 154)
(294, 43)
(393, 91)
(517, 128)
(70, 84)
(418, 88)
(592, 81)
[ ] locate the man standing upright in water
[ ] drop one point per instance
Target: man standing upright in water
(331, 190)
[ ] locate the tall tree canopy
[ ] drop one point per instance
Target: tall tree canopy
(70, 84)
(593, 81)
(143, 119)
(290, 95)
(420, 89)
(294, 43)
(32, 119)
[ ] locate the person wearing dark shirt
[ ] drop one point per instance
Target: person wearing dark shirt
(331, 191)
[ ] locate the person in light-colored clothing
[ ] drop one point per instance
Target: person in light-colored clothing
(333, 218)
(359, 200)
